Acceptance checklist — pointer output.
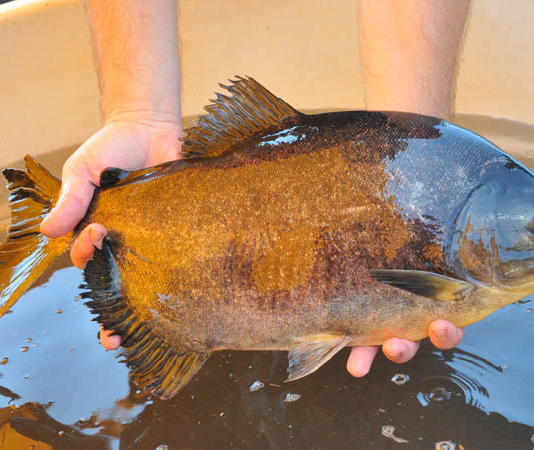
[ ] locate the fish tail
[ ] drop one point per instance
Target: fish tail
(26, 253)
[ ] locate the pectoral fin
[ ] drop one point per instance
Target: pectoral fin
(427, 284)
(307, 356)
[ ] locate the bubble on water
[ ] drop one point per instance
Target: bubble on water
(24, 349)
(445, 445)
(438, 389)
(400, 378)
(439, 394)
(162, 447)
(28, 339)
(389, 432)
(26, 376)
(256, 386)
(4, 360)
(34, 344)
(290, 398)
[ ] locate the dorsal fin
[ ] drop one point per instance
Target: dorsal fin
(250, 109)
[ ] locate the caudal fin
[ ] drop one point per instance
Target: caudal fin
(26, 253)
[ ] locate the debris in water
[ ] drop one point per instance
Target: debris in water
(388, 430)
(24, 349)
(256, 386)
(59, 311)
(400, 378)
(4, 360)
(290, 398)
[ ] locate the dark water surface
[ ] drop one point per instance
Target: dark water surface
(60, 390)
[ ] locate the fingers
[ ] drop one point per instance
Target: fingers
(360, 360)
(400, 350)
(397, 350)
(83, 248)
(76, 193)
(444, 334)
(109, 341)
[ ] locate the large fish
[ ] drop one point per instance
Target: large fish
(285, 231)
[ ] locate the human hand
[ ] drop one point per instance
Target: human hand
(129, 142)
(443, 334)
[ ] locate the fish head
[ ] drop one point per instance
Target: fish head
(493, 238)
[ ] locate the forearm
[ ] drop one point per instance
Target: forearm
(136, 49)
(410, 53)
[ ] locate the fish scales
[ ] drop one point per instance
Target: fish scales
(306, 234)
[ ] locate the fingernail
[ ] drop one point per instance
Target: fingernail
(442, 332)
(96, 236)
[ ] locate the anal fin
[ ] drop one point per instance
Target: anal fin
(307, 356)
(155, 365)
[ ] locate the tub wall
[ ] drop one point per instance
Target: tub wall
(305, 51)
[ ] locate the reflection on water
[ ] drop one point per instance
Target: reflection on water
(60, 390)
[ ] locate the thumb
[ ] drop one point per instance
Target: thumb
(76, 194)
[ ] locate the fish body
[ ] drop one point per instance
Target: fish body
(305, 233)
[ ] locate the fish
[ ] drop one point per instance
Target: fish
(285, 231)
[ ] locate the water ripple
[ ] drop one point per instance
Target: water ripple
(461, 381)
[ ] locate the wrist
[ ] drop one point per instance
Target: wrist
(146, 115)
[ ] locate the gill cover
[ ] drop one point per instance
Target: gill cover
(493, 239)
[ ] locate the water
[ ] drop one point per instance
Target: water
(60, 389)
